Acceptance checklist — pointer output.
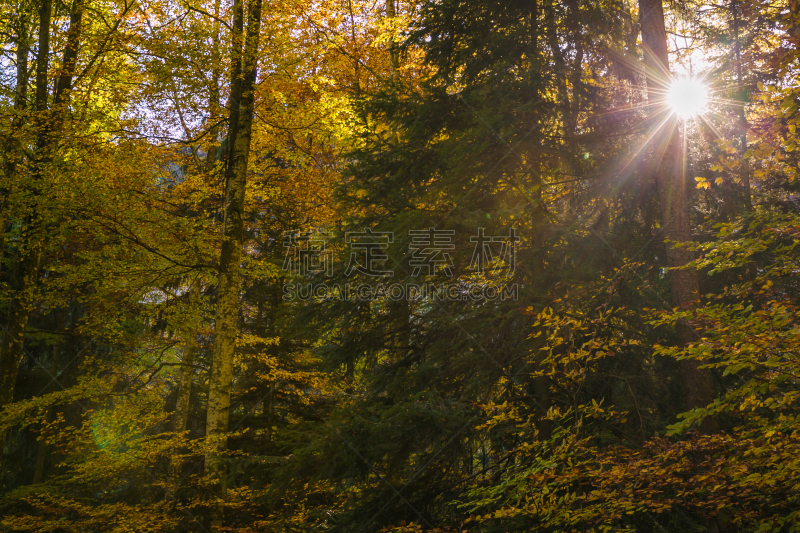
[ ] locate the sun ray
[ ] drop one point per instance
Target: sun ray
(645, 142)
(710, 125)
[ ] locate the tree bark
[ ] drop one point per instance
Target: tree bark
(241, 121)
(186, 372)
(394, 63)
(668, 167)
(13, 147)
(181, 415)
(214, 111)
(394, 69)
(742, 126)
(184, 387)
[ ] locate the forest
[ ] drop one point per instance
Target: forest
(450, 266)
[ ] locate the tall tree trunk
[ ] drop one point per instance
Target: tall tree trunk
(181, 414)
(184, 387)
(744, 169)
(13, 147)
(394, 69)
(667, 164)
(187, 370)
(64, 84)
(394, 62)
(214, 111)
(241, 121)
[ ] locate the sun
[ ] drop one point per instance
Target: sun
(687, 96)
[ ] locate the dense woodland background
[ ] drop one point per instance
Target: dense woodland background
(155, 153)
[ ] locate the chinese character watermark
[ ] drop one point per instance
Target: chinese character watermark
(483, 257)
(430, 249)
(432, 254)
(370, 247)
(306, 253)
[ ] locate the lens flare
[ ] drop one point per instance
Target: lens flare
(687, 96)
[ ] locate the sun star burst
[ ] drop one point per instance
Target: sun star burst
(687, 96)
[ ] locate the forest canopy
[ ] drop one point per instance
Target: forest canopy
(399, 266)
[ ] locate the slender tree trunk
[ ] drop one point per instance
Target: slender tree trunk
(668, 166)
(634, 71)
(744, 170)
(214, 111)
(187, 370)
(184, 387)
(181, 414)
(394, 69)
(559, 68)
(43, 55)
(276, 300)
(13, 148)
(394, 62)
(576, 75)
(241, 122)
(64, 86)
